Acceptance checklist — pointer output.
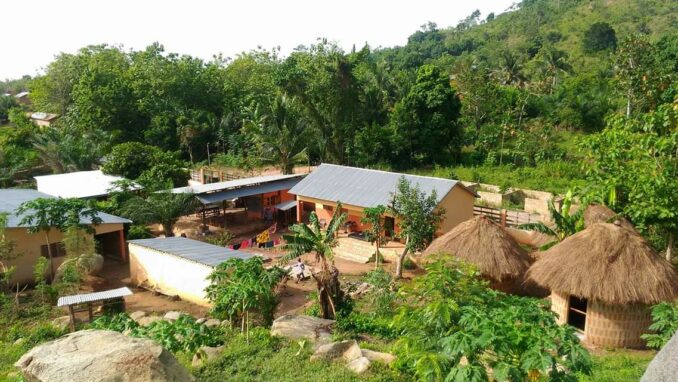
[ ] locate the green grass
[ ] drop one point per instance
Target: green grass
(269, 359)
(619, 366)
(554, 176)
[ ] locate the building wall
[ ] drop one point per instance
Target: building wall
(169, 274)
(28, 245)
(458, 205)
(559, 305)
(617, 325)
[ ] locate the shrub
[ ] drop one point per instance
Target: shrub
(240, 287)
(184, 334)
(139, 232)
(221, 239)
(664, 324)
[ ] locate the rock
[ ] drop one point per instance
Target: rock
(145, 321)
(172, 315)
(64, 322)
(19, 341)
(100, 355)
(201, 320)
(348, 350)
(212, 323)
(361, 290)
(226, 323)
(376, 356)
(206, 354)
(92, 265)
(664, 366)
(359, 365)
(137, 315)
(317, 330)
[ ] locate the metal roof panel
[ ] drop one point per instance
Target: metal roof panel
(192, 250)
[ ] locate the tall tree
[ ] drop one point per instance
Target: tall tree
(279, 133)
(632, 166)
(312, 238)
(417, 216)
(425, 121)
(164, 208)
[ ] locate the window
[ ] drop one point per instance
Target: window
(576, 312)
(58, 250)
(271, 200)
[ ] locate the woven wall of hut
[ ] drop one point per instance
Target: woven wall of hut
(617, 325)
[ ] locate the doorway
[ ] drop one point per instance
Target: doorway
(576, 312)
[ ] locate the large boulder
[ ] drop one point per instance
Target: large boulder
(317, 330)
(376, 356)
(206, 354)
(664, 366)
(359, 365)
(100, 355)
(348, 350)
(90, 264)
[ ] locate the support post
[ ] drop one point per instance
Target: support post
(503, 217)
(71, 315)
(123, 246)
(90, 312)
(299, 209)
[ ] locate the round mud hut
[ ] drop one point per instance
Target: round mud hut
(603, 280)
(597, 213)
(493, 251)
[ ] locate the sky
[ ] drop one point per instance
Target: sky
(37, 30)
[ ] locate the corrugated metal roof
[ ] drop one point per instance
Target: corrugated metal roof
(12, 198)
(93, 297)
(215, 197)
(192, 250)
(80, 184)
(363, 187)
(231, 184)
(284, 206)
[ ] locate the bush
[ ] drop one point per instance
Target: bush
(357, 323)
(182, 335)
(139, 232)
(664, 324)
(221, 239)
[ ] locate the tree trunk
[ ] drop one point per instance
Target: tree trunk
(669, 246)
(401, 259)
(49, 255)
(329, 291)
(376, 259)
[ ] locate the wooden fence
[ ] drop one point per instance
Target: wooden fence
(507, 218)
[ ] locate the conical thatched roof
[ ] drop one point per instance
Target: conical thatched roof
(485, 244)
(609, 263)
(597, 213)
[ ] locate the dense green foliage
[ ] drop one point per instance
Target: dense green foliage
(181, 335)
(449, 314)
(664, 324)
(239, 288)
(164, 208)
(146, 164)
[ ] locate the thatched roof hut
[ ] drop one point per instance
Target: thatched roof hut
(598, 213)
(488, 246)
(602, 280)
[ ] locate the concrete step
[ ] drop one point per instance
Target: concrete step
(352, 256)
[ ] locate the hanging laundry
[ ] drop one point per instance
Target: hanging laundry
(236, 246)
(245, 244)
(269, 244)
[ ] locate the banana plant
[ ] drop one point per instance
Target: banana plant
(565, 222)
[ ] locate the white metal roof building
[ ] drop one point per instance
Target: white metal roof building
(80, 184)
(177, 266)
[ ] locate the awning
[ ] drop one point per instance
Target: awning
(244, 191)
(286, 206)
(93, 297)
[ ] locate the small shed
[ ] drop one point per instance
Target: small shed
(603, 280)
(488, 246)
(177, 266)
(89, 300)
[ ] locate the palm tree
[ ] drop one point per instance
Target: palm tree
(164, 208)
(554, 61)
(279, 133)
(311, 238)
(510, 68)
(564, 223)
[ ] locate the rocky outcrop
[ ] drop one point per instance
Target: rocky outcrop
(206, 354)
(173, 315)
(357, 360)
(100, 355)
(317, 330)
(664, 366)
